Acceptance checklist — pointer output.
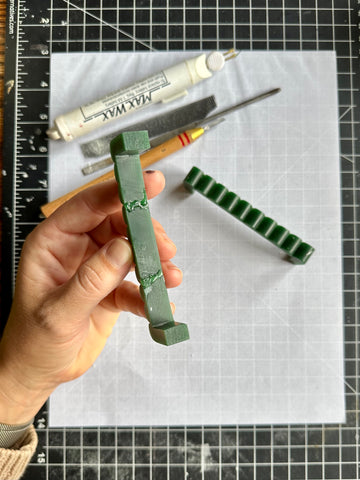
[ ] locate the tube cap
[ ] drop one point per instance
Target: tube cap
(215, 61)
(53, 133)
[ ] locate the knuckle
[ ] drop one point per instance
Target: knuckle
(45, 315)
(89, 280)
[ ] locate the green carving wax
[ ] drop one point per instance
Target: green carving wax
(125, 151)
(298, 251)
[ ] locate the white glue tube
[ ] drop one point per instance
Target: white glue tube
(164, 86)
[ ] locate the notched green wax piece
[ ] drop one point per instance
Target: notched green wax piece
(143, 203)
(147, 282)
(298, 251)
(125, 150)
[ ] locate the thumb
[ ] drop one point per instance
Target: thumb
(97, 277)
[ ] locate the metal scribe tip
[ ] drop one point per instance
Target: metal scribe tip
(230, 54)
(243, 104)
(213, 123)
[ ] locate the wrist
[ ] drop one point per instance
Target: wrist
(15, 415)
(18, 405)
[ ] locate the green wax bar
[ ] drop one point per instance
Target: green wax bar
(125, 153)
(298, 251)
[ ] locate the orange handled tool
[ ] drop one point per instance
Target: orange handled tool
(146, 159)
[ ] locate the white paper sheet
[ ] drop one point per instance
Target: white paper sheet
(266, 336)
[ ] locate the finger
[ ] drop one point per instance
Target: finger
(172, 274)
(95, 279)
(154, 181)
(110, 229)
(89, 208)
(127, 298)
(113, 226)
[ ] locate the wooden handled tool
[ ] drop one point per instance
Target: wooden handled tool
(146, 159)
(163, 150)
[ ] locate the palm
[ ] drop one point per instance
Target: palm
(60, 318)
(50, 261)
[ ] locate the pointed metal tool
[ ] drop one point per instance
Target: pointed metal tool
(222, 113)
(163, 138)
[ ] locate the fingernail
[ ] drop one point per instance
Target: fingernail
(119, 252)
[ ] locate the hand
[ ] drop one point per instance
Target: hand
(69, 292)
